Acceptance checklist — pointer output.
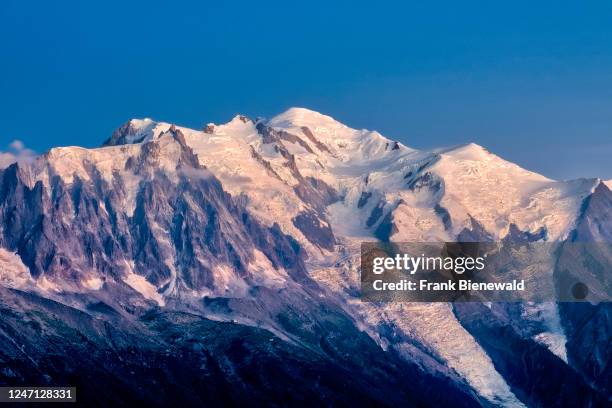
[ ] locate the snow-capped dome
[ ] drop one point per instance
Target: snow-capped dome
(296, 117)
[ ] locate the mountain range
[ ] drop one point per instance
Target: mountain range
(221, 265)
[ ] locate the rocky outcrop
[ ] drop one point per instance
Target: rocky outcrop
(308, 133)
(134, 131)
(316, 231)
(588, 327)
(271, 135)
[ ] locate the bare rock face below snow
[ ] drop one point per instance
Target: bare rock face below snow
(224, 263)
(183, 226)
(589, 327)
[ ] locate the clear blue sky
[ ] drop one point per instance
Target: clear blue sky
(530, 80)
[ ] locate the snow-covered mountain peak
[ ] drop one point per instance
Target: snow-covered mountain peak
(320, 135)
(240, 125)
(297, 117)
(137, 131)
(476, 158)
(471, 151)
(499, 193)
(321, 127)
(239, 118)
(141, 124)
(332, 141)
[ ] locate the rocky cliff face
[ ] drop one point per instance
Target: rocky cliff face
(180, 259)
(181, 228)
(589, 327)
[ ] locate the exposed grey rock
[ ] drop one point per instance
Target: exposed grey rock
(477, 233)
(271, 135)
(245, 119)
(426, 180)
(516, 235)
(419, 168)
(321, 146)
(588, 327)
(595, 223)
(314, 230)
(444, 216)
(363, 199)
(317, 193)
(376, 213)
(188, 224)
(266, 164)
(127, 133)
(386, 228)
(209, 129)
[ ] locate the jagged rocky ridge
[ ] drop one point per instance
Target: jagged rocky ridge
(246, 234)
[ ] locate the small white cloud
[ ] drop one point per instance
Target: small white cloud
(16, 152)
(17, 145)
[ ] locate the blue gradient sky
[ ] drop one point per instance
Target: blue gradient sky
(531, 81)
